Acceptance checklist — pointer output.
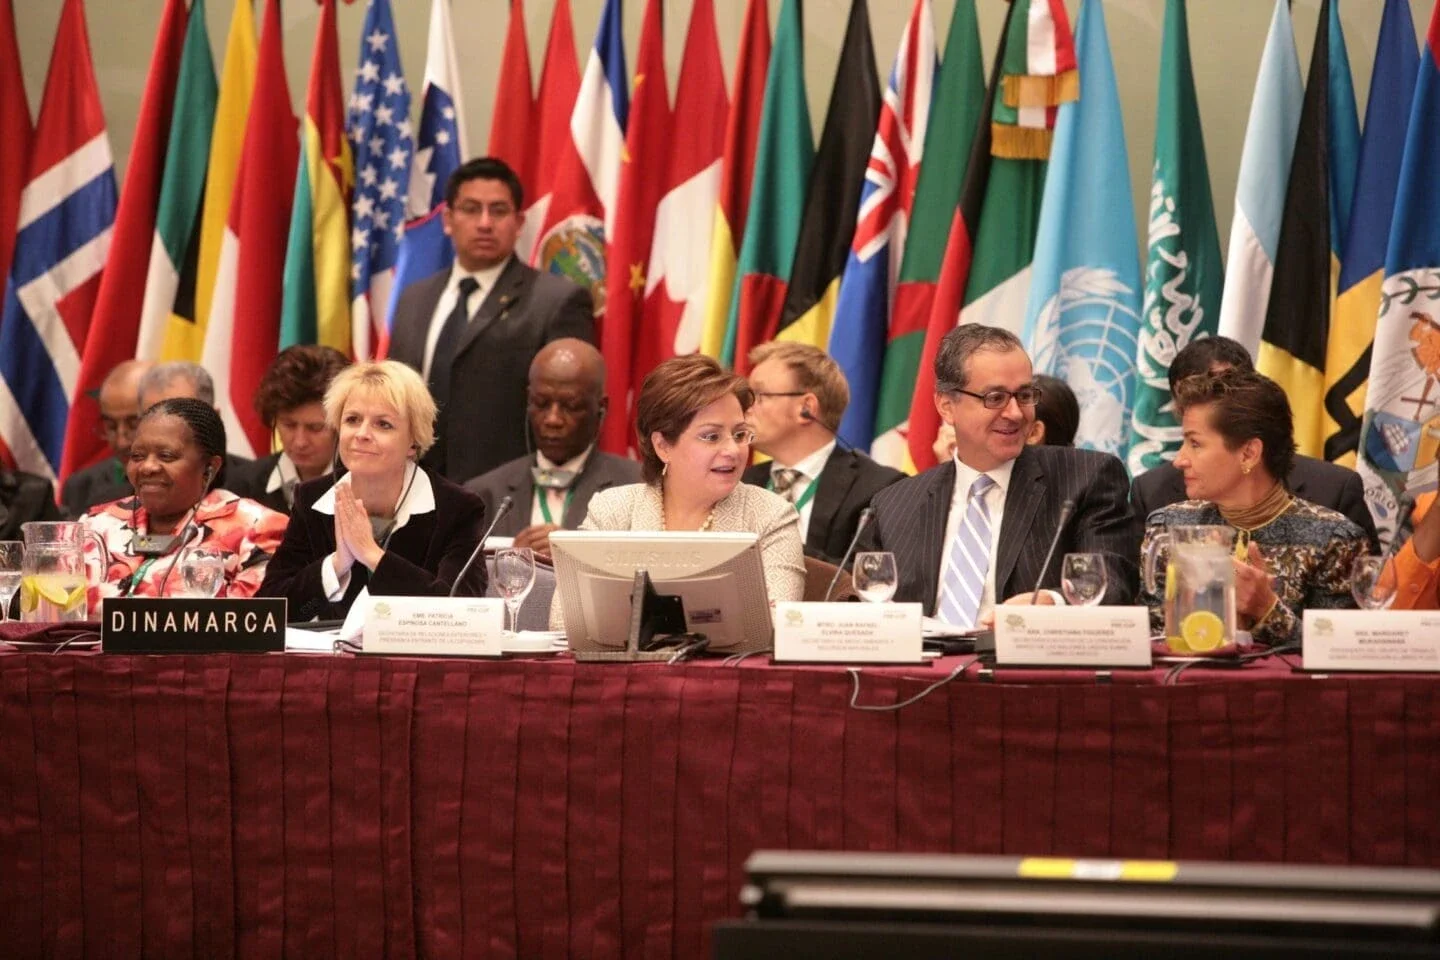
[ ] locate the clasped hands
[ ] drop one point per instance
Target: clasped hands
(354, 540)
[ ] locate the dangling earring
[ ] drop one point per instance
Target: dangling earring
(665, 468)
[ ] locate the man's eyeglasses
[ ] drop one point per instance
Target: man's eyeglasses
(996, 399)
(762, 394)
(469, 208)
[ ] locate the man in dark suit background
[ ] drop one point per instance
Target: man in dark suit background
(800, 396)
(566, 404)
(473, 330)
(974, 531)
(119, 414)
(1327, 484)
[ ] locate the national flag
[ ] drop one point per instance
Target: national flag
(120, 297)
(582, 209)
(175, 249)
(63, 232)
(1083, 317)
(15, 132)
(1037, 75)
(1184, 273)
(648, 136)
(1362, 263)
(383, 142)
(955, 114)
(742, 140)
(676, 285)
(244, 331)
(1401, 434)
(1297, 319)
(227, 142)
(772, 223)
(876, 251)
(554, 103)
(316, 303)
(440, 149)
(1259, 195)
(985, 277)
(513, 119)
(833, 195)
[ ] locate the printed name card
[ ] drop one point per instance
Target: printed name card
(847, 632)
(434, 626)
(1060, 636)
(1391, 641)
(192, 625)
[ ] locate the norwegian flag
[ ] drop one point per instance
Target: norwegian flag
(384, 142)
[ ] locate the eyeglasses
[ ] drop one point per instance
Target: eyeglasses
(741, 436)
(762, 394)
(469, 208)
(996, 399)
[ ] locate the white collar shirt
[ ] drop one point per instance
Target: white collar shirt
(810, 469)
(556, 498)
(486, 278)
(965, 477)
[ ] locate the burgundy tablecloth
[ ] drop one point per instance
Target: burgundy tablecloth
(332, 807)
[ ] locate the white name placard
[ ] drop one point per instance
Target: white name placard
(1060, 636)
(1385, 640)
(434, 626)
(847, 632)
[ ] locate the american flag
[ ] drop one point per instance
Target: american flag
(383, 141)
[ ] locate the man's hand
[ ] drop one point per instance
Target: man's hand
(1254, 592)
(537, 538)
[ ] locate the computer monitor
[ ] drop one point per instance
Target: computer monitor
(718, 576)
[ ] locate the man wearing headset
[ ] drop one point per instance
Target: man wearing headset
(552, 487)
(800, 395)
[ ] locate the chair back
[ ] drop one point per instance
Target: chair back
(818, 575)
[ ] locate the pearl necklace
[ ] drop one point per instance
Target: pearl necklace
(704, 527)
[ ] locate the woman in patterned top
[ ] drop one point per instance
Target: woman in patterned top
(178, 449)
(1238, 438)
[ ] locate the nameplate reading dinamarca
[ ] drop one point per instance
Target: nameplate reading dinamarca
(192, 625)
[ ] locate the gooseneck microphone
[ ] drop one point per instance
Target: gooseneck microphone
(190, 527)
(860, 526)
(500, 511)
(1066, 509)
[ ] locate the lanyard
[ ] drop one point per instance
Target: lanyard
(543, 494)
(805, 497)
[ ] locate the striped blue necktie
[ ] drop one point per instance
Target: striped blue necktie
(969, 561)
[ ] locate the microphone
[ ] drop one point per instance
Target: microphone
(500, 511)
(860, 526)
(805, 414)
(1066, 509)
(190, 526)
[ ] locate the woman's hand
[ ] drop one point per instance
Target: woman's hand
(344, 558)
(1254, 594)
(352, 526)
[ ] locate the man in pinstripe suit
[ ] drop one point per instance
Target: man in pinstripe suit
(974, 531)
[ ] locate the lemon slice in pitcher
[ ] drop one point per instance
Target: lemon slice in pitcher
(1202, 631)
(76, 599)
(29, 595)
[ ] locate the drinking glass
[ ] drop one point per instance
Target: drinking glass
(202, 572)
(12, 555)
(1370, 585)
(514, 576)
(874, 575)
(1083, 579)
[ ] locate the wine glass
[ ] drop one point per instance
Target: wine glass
(1083, 579)
(202, 572)
(12, 554)
(1370, 584)
(874, 575)
(514, 576)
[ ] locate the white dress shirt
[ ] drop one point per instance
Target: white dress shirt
(810, 468)
(443, 307)
(555, 498)
(965, 477)
(418, 496)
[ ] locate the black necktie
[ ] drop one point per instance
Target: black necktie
(444, 355)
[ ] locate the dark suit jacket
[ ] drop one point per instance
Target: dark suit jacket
(422, 559)
(98, 483)
(24, 498)
(484, 425)
(513, 479)
(1326, 484)
(250, 480)
(847, 484)
(910, 522)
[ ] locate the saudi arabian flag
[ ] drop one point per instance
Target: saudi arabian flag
(170, 280)
(1184, 274)
(955, 115)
